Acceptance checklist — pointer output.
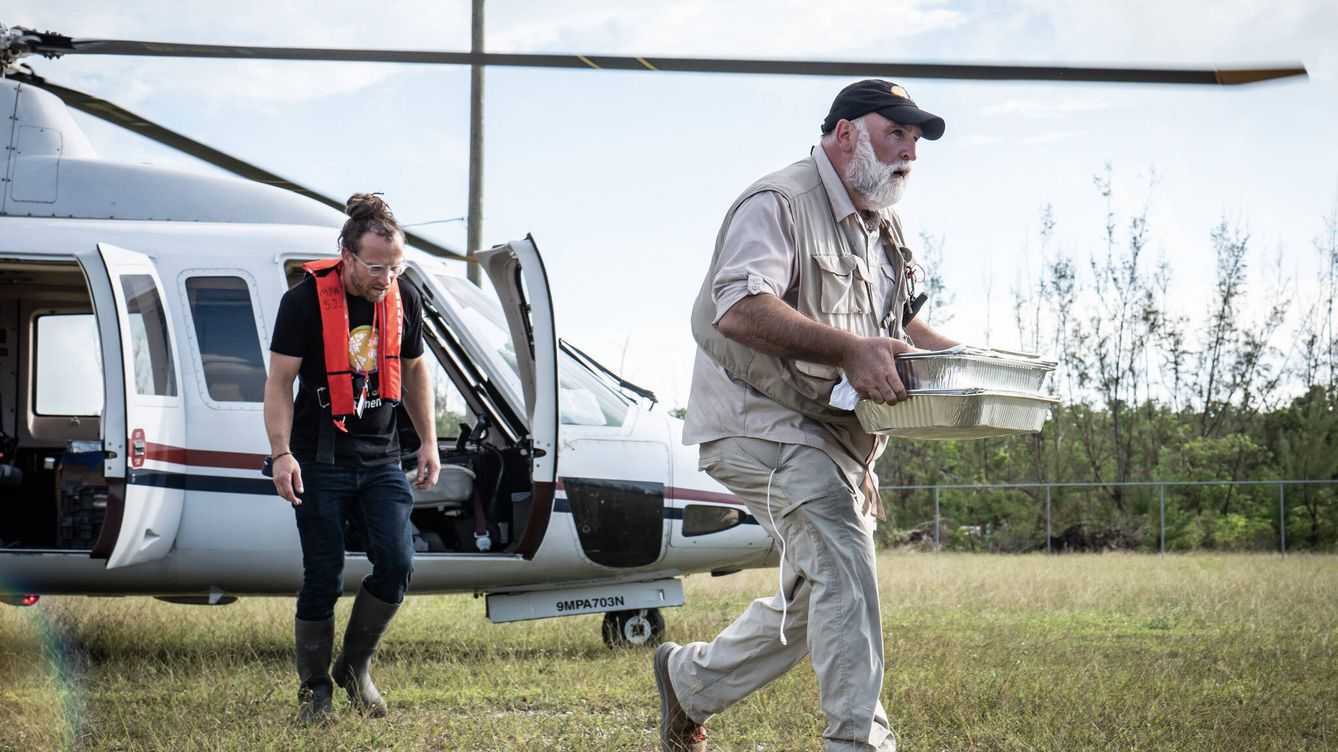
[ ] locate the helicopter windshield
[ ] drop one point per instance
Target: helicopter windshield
(585, 398)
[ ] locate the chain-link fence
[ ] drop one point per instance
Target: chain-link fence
(1110, 515)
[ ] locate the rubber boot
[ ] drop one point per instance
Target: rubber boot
(366, 624)
(315, 642)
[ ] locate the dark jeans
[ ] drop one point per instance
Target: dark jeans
(378, 500)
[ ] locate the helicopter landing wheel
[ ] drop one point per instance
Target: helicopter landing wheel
(631, 629)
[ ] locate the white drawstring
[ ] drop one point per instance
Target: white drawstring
(781, 576)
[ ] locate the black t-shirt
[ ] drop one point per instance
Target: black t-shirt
(373, 438)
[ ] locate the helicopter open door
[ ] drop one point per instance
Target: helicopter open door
(517, 273)
(144, 422)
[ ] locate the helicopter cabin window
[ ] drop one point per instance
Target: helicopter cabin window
(701, 519)
(225, 330)
(151, 348)
(67, 351)
(452, 412)
(584, 398)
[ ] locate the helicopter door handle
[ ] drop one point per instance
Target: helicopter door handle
(137, 448)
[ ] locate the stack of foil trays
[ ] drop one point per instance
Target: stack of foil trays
(964, 393)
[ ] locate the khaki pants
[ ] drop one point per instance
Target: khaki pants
(828, 580)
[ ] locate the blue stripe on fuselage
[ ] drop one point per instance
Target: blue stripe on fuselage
(265, 487)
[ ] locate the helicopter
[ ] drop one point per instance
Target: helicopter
(134, 304)
(133, 435)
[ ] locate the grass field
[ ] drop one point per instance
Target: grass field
(1110, 652)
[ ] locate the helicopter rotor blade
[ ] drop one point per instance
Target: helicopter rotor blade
(55, 45)
(119, 116)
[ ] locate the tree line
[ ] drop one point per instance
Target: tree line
(1243, 388)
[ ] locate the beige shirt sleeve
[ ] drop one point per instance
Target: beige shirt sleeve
(758, 254)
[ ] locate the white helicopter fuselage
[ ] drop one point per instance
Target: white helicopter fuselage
(136, 309)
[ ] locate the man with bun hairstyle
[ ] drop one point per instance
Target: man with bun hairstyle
(350, 333)
(810, 281)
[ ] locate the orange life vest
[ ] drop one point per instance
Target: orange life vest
(387, 320)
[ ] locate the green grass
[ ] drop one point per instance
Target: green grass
(1111, 652)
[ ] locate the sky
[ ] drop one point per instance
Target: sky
(623, 177)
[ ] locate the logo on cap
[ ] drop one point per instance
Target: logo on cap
(897, 91)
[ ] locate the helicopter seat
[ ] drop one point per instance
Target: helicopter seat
(454, 487)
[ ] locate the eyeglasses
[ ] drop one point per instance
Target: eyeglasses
(376, 270)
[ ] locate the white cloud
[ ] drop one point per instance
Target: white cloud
(1156, 31)
(1052, 136)
(296, 23)
(233, 83)
(292, 23)
(979, 139)
(276, 82)
(1035, 109)
(781, 28)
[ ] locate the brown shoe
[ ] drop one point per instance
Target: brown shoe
(678, 732)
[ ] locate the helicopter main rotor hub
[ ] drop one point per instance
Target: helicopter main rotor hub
(14, 44)
(19, 42)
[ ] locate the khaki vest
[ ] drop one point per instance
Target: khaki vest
(834, 287)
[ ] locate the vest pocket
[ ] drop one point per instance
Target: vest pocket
(841, 289)
(896, 300)
(827, 373)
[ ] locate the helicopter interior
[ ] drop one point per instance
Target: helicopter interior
(53, 494)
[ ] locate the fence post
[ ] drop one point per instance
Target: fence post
(938, 522)
(1047, 519)
(1282, 517)
(1161, 494)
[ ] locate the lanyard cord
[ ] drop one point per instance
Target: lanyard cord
(785, 602)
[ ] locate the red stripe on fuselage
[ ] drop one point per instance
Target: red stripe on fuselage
(202, 457)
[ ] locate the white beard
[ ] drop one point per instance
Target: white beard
(877, 182)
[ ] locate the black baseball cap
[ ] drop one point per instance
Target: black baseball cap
(885, 98)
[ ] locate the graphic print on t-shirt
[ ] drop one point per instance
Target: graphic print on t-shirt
(362, 343)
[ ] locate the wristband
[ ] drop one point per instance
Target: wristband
(280, 454)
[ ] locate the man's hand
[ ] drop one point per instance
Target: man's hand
(429, 467)
(288, 478)
(279, 421)
(419, 401)
(869, 366)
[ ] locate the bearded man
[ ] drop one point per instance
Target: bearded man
(809, 281)
(351, 334)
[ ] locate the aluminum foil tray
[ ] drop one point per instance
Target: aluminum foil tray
(973, 368)
(957, 414)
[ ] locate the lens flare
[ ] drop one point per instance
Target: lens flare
(40, 689)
